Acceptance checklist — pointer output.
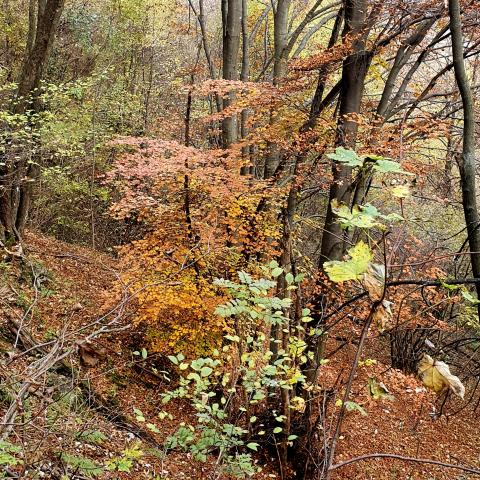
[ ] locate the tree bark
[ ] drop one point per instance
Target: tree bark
(401, 59)
(467, 160)
(244, 77)
(17, 175)
(354, 71)
(280, 39)
(231, 18)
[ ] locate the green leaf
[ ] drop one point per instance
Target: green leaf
(361, 216)
(452, 288)
(352, 406)
(173, 359)
(289, 278)
(276, 272)
(139, 415)
(388, 166)
(144, 353)
(356, 217)
(206, 371)
(299, 278)
(252, 446)
(273, 264)
(193, 376)
(469, 297)
(152, 428)
(352, 269)
(234, 338)
(91, 436)
(83, 464)
(245, 277)
(348, 157)
(277, 429)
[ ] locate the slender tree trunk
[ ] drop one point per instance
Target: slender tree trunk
(402, 57)
(450, 160)
(280, 39)
(354, 71)
(244, 77)
(467, 160)
(231, 17)
(206, 45)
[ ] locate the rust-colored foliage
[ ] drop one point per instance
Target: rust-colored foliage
(171, 270)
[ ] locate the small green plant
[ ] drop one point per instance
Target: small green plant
(126, 461)
(82, 465)
(8, 455)
(351, 407)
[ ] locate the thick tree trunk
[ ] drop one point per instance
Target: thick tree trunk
(48, 16)
(231, 17)
(17, 175)
(354, 71)
(467, 160)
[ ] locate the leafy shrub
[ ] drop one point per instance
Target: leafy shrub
(230, 389)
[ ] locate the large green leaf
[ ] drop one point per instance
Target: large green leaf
(371, 210)
(353, 268)
(356, 217)
(361, 216)
(382, 165)
(346, 156)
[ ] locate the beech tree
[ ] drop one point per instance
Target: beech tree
(17, 175)
(232, 21)
(467, 161)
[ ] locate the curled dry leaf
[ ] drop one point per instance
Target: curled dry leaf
(436, 376)
(90, 354)
(383, 316)
(374, 281)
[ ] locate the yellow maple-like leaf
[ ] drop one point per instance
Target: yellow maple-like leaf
(352, 268)
(436, 376)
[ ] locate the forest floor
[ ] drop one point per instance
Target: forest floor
(77, 289)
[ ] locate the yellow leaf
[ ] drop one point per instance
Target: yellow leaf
(401, 191)
(352, 268)
(436, 376)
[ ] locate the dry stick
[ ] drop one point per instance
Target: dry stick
(405, 459)
(353, 371)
